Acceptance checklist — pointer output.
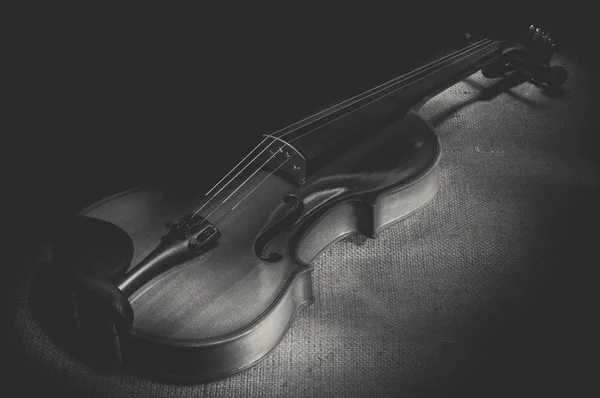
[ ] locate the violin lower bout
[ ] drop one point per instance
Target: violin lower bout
(226, 310)
(186, 362)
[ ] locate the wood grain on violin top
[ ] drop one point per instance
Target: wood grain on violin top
(228, 288)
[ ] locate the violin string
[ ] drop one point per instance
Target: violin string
(455, 58)
(407, 75)
(358, 100)
(234, 177)
(260, 183)
(246, 180)
(339, 106)
(234, 167)
(331, 109)
(347, 103)
(367, 104)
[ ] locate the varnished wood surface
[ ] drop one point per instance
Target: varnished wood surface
(208, 296)
(222, 307)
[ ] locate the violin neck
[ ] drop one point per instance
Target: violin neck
(369, 112)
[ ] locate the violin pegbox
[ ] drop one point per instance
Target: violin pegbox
(531, 56)
(540, 44)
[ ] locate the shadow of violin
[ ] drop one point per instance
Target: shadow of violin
(51, 309)
(535, 337)
(501, 86)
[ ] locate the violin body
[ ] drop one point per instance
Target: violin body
(218, 291)
(225, 310)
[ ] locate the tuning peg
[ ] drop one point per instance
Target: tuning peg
(546, 38)
(532, 28)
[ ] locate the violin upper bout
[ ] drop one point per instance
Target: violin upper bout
(380, 183)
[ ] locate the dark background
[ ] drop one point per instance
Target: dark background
(104, 104)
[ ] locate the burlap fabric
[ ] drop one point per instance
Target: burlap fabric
(486, 292)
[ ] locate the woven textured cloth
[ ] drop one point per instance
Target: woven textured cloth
(485, 292)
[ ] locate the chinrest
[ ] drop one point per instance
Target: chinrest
(92, 254)
(93, 247)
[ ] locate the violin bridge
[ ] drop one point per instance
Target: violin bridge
(283, 158)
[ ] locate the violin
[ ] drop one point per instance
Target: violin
(199, 288)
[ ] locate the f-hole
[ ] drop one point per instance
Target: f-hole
(293, 211)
